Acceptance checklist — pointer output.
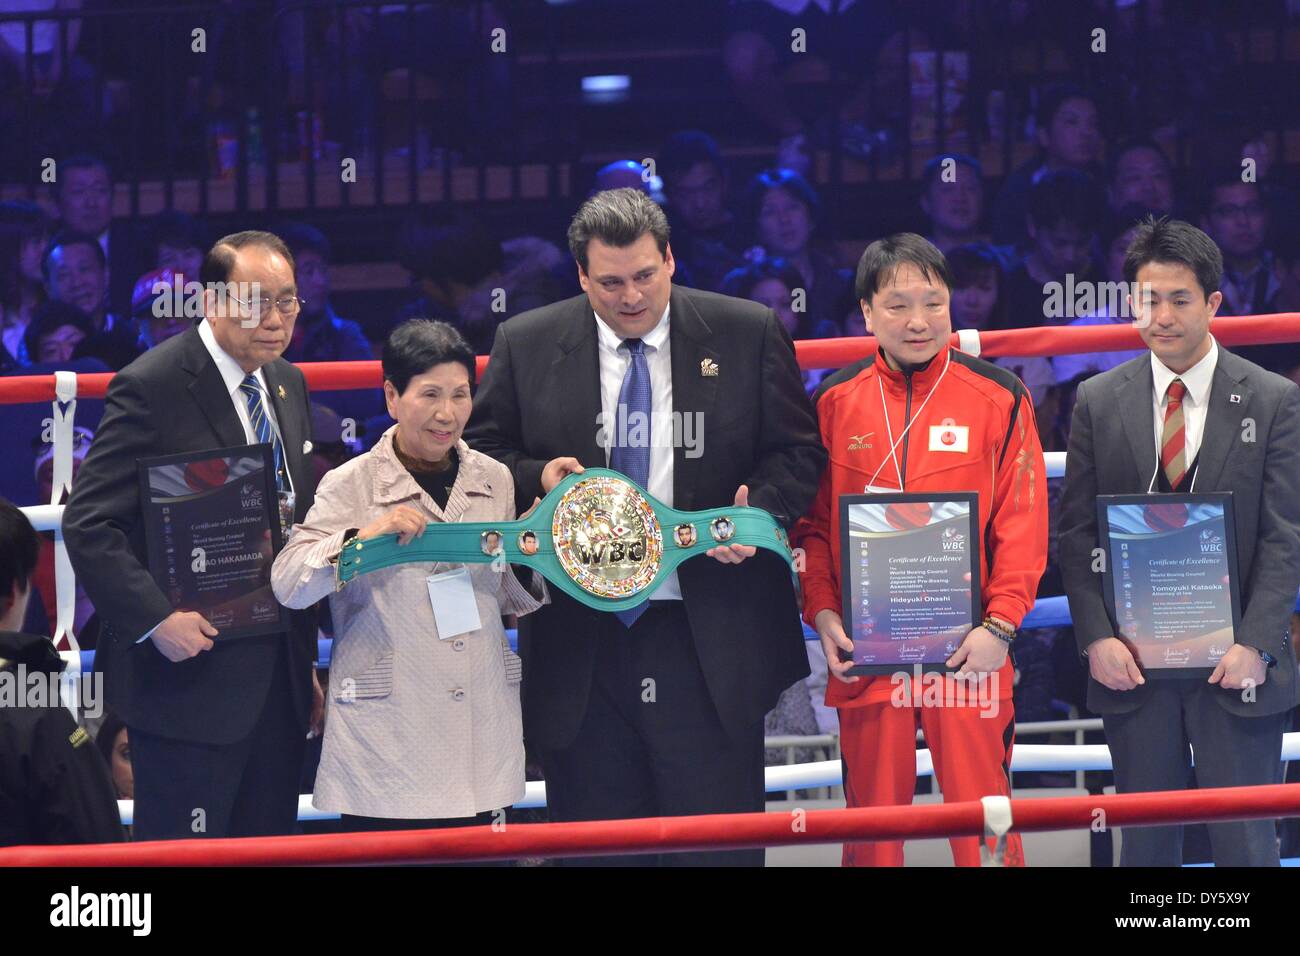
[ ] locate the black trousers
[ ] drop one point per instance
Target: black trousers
(250, 788)
(1150, 748)
(651, 743)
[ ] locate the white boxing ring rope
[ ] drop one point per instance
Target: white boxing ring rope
(808, 776)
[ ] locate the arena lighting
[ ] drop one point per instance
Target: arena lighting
(606, 88)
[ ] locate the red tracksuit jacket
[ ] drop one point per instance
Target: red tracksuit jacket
(974, 431)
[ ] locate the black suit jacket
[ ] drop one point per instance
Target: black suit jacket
(540, 399)
(1250, 447)
(173, 400)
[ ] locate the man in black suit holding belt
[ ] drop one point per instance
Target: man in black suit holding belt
(1189, 416)
(658, 710)
(217, 727)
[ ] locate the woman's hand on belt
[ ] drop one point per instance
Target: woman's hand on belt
(404, 521)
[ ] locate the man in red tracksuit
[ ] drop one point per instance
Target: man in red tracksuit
(923, 417)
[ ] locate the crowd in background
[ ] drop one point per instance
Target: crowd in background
(82, 290)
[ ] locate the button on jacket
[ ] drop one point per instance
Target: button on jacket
(416, 727)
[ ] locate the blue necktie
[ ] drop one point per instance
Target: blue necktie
(262, 425)
(630, 453)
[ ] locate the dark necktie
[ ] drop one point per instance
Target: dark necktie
(262, 426)
(630, 453)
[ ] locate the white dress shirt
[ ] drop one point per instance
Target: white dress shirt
(614, 363)
(1196, 401)
(233, 376)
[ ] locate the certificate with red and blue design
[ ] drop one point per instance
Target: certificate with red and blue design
(1170, 567)
(212, 533)
(910, 578)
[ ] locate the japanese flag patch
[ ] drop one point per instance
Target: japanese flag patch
(949, 437)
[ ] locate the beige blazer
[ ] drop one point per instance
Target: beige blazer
(416, 726)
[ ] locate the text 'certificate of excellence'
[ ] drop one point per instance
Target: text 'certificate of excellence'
(1171, 578)
(213, 530)
(911, 577)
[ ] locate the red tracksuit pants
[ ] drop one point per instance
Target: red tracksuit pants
(972, 759)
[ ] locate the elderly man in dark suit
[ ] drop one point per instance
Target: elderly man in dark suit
(657, 710)
(217, 727)
(1189, 415)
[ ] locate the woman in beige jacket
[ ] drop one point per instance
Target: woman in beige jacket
(423, 728)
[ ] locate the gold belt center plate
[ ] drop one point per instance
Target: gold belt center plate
(607, 537)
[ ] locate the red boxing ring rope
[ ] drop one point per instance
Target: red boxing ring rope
(727, 831)
(812, 353)
(658, 834)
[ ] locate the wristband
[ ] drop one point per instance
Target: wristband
(1001, 631)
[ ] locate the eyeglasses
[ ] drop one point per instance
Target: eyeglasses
(286, 305)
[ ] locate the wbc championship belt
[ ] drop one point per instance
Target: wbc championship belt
(597, 536)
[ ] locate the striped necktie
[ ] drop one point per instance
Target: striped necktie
(1173, 438)
(262, 426)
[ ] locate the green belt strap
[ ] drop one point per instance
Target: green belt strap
(599, 537)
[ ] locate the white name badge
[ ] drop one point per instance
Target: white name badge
(879, 490)
(455, 611)
(949, 438)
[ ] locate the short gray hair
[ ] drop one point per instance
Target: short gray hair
(617, 217)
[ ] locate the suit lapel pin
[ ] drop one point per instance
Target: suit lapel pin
(708, 368)
(279, 390)
(1234, 398)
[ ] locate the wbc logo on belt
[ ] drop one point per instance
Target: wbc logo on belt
(605, 542)
(607, 537)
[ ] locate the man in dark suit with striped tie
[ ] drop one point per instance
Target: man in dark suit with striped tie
(218, 727)
(1189, 416)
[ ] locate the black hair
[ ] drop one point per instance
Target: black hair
(1121, 221)
(114, 349)
(1177, 242)
(740, 282)
(301, 237)
(881, 259)
(20, 223)
(70, 238)
(971, 262)
(54, 315)
(618, 218)
(1130, 146)
(106, 737)
(464, 252)
(685, 149)
(179, 230)
(1054, 97)
(81, 161)
(933, 168)
(219, 261)
(19, 546)
(417, 345)
(786, 180)
(1066, 196)
(1217, 176)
